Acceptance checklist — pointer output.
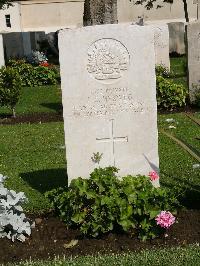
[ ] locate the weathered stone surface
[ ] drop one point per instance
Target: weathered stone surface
(161, 42)
(17, 44)
(177, 37)
(193, 34)
(109, 98)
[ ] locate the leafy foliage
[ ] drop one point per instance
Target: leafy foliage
(169, 94)
(35, 75)
(158, 4)
(13, 222)
(161, 70)
(10, 87)
(5, 3)
(104, 202)
(152, 3)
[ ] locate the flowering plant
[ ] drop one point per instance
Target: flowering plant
(153, 176)
(155, 179)
(37, 57)
(165, 219)
(44, 64)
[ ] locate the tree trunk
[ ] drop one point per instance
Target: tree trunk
(186, 10)
(97, 12)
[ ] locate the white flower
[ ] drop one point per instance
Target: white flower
(195, 166)
(172, 127)
(170, 120)
(2, 178)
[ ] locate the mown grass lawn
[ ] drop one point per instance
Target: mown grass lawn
(189, 256)
(46, 99)
(33, 157)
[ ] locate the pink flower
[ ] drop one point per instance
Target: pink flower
(165, 219)
(153, 176)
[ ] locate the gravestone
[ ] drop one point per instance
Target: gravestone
(109, 98)
(17, 44)
(177, 37)
(161, 42)
(193, 34)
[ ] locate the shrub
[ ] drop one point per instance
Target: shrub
(13, 222)
(104, 202)
(45, 75)
(161, 70)
(10, 87)
(169, 94)
(35, 75)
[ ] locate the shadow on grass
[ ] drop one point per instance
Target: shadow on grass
(54, 106)
(5, 115)
(188, 192)
(46, 180)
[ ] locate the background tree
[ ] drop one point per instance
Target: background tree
(5, 3)
(105, 11)
(98, 12)
(154, 3)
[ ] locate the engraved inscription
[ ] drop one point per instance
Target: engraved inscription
(107, 59)
(112, 139)
(110, 101)
(158, 41)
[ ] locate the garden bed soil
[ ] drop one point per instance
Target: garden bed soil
(31, 118)
(50, 235)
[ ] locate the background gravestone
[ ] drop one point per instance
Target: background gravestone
(109, 98)
(177, 37)
(193, 34)
(161, 42)
(17, 44)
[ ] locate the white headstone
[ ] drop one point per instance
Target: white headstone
(161, 41)
(193, 34)
(109, 98)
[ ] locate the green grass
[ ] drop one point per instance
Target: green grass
(178, 69)
(37, 100)
(31, 155)
(188, 256)
(47, 99)
(34, 159)
(176, 164)
(178, 66)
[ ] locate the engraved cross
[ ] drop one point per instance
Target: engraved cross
(112, 139)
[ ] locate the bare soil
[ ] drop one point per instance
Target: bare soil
(31, 118)
(50, 235)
